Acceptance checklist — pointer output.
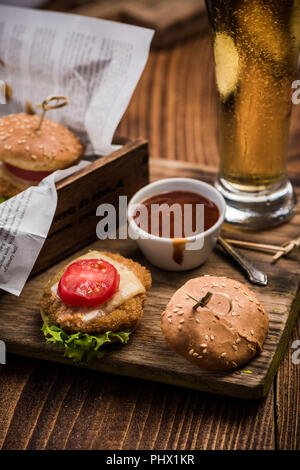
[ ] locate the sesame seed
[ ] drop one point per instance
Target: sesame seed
(233, 314)
(197, 320)
(206, 337)
(195, 354)
(234, 364)
(212, 337)
(252, 332)
(179, 328)
(169, 320)
(235, 287)
(191, 351)
(169, 315)
(200, 357)
(27, 148)
(238, 341)
(180, 313)
(204, 345)
(181, 321)
(179, 305)
(204, 351)
(223, 354)
(234, 347)
(175, 310)
(34, 157)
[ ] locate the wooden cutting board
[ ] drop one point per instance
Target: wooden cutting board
(147, 355)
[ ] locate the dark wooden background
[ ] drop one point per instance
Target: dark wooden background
(50, 406)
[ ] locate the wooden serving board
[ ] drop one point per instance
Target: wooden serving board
(147, 355)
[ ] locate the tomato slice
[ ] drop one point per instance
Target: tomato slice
(88, 283)
(27, 174)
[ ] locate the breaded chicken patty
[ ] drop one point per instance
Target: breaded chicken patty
(71, 319)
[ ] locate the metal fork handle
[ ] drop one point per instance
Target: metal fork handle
(256, 276)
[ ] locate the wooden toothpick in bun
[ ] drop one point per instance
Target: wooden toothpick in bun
(225, 330)
(31, 147)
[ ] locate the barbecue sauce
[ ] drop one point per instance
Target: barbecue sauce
(211, 215)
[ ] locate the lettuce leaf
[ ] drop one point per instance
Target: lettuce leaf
(81, 346)
(3, 199)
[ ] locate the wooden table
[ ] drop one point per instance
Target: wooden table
(50, 406)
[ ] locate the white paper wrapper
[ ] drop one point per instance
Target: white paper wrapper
(96, 64)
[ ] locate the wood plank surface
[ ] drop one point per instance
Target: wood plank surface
(174, 107)
(173, 20)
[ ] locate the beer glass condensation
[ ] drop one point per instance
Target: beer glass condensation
(256, 49)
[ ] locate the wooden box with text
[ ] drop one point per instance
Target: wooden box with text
(120, 173)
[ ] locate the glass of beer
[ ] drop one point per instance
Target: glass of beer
(256, 48)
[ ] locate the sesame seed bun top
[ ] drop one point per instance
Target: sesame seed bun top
(226, 333)
(51, 148)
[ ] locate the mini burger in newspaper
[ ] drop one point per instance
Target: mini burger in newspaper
(32, 147)
(94, 300)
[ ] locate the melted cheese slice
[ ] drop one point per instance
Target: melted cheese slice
(130, 286)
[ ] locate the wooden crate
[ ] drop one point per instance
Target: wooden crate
(74, 225)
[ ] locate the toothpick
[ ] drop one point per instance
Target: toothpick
(45, 106)
(278, 250)
(256, 246)
(287, 247)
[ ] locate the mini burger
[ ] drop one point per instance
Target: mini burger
(30, 152)
(216, 323)
(94, 300)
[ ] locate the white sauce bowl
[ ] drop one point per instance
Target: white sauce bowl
(160, 251)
